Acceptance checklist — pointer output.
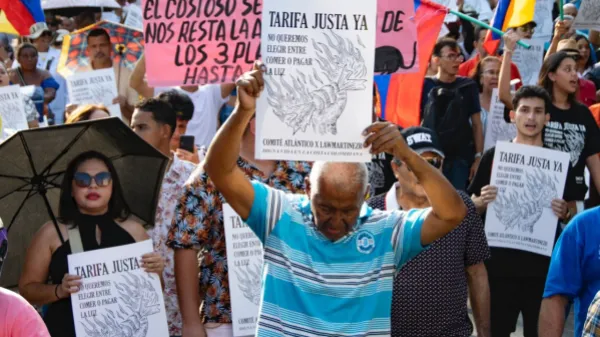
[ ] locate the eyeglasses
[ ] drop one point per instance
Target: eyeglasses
(454, 57)
(82, 179)
(435, 162)
(527, 29)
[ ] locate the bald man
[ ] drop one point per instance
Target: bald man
(330, 258)
(570, 9)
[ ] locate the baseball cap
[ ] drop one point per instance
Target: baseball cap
(3, 244)
(37, 29)
(60, 35)
(422, 140)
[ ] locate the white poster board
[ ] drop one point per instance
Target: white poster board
(245, 265)
(588, 16)
(12, 111)
(94, 87)
(529, 61)
(543, 19)
(528, 179)
(318, 95)
(496, 128)
(117, 294)
(134, 17)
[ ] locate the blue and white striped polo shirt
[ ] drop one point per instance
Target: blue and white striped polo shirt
(315, 287)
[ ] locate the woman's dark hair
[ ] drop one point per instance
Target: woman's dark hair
(23, 46)
(589, 63)
(478, 71)
(551, 65)
(68, 211)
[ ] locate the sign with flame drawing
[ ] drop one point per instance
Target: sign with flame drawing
(117, 297)
(94, 87)
(318, 95)
(245, 265)
(528, 178)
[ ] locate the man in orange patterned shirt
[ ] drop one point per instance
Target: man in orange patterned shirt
(198, 227)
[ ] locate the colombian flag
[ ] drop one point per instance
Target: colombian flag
(399, 95)
(509, 14)
(19, 15)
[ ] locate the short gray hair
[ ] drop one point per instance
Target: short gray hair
(344, 174)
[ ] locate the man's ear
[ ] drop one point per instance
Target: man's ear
(511, 115)
(307, 185)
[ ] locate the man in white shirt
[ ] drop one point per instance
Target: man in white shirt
(208, 100)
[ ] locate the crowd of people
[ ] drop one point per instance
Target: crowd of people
(394, 247)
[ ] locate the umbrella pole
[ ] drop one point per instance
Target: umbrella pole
(51, 214)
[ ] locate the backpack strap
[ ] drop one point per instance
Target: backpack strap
(75, 240)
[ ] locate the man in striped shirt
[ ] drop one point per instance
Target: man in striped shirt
(329, 258)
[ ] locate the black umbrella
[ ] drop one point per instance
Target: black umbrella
(32, 168)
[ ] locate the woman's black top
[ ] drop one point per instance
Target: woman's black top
(59, 316)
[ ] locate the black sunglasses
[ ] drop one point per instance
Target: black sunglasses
(435, 162)
(82, 179)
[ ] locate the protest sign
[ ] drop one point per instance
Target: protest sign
(94, 87)
(12, 111)
(588, 16)
(528, 178)
(496, 128)
(543, 19)
(529, 61)
(117, 294)
(134, 17)
(318, 95)
(245, 265)
(195, 43)
(396, 38)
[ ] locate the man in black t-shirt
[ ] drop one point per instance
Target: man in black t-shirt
(517, 277)
(463, 156)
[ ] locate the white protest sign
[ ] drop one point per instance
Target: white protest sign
(497, 129)
(528, 179)
(482, 8)
(94, 87)
(543, 19)
(134, 17)
(12, 111)
(245, 265)
(111, 16)
(588, 16)
(529, 61)
(117, 294)
(319, 80)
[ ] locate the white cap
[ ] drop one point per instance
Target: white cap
(37, 29)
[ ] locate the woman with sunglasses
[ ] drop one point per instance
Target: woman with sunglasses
(91, 200)
(571, 128)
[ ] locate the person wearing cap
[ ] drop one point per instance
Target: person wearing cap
(452, 266)
(517, 277)
(17, 317)
(41, 37)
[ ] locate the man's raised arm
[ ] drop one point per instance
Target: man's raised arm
(223, 153)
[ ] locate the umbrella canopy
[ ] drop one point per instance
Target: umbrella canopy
(33, 165)
(127, 42)
(60, 4)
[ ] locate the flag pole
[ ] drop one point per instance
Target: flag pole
(485, 25)
(560, 10)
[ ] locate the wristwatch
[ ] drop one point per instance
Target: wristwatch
(478, 155)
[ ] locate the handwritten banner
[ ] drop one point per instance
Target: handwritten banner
(117, 293)
(396, 39)
(319, 80)
(94, 87)
(245, 265)
(588, 16)
(529, 61)
(12, 111)
(134, 17)
(496, 128)
(200, 42)
(528, 179)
